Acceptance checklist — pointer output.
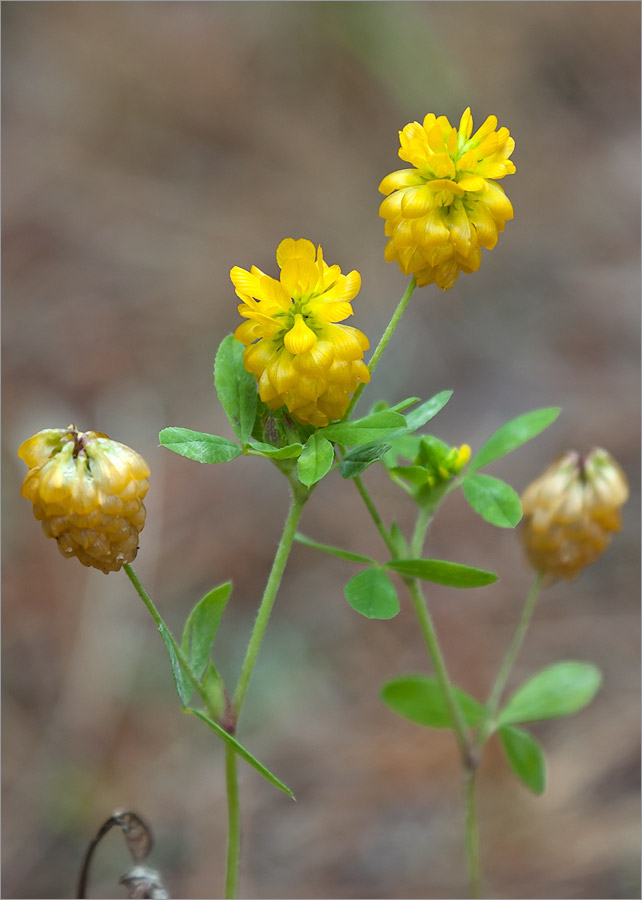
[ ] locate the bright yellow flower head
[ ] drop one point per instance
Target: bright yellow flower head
(87, 491)
(300, 356)
(440, 214)
(570, 512)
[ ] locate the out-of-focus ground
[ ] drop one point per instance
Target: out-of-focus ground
(148, 148)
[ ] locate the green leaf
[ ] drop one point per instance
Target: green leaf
(558, 690)
(525, 757)
(203, 448)
(289, 452)
(513, 434)
(493, 499)
(242, 752)
(363, 431)
(334, 551)
(315, 460)
(421, 700)
(372, 594)
(236, 388)
(201, 627)
(354, 462)
(442, 572)
(427, 410)
(183, 684)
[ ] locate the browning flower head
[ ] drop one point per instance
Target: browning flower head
(442, 212)
(299, 355)
(570, 512)
(87, 491)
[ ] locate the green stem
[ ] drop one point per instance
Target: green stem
(472, 835)
(158, 619)
(385, 340)
(492, 706)
(299, 496)
(374, 514)
(233, 824)
(434, 651)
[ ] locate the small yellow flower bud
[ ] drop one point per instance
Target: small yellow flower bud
(570, 512)
(87, 491)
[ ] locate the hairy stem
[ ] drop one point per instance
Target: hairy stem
(385, 340)
(299, 496)
(233, 824)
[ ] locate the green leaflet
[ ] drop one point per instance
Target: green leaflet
(236, 388)
(440, 571)
(493, 499)
(372, 594)
(513, 434)
(421, 700)
(525, 757)
(558, 690)
(196, 445)
(316, 459)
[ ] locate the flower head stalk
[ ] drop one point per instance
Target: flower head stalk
(87, 491)
(571, 511)
(300, 356)
(442, 212)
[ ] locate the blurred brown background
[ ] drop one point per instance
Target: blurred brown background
(148, 148)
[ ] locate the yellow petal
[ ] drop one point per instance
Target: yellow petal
(289, 248)
(300, 337)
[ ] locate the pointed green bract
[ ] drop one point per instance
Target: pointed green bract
(372, 594)
(363, 431)
(493, 499)
(558, 690)
(440, 571)
(399, 540)
(183, 685)
(214, 691)
(427, 410)
(242, 752)
(201, 627)
(421, 700)
(334, 551)
(199, 446)
(354, 462)
(525, 757)
(236, 388)
(513, 434)
(316, 459)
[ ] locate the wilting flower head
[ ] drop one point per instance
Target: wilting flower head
(570, 512)
(298, 354)
(87, 491)
(442, 212)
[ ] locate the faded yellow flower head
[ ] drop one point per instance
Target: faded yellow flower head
(301, 358)
(87, 491)
(442, 212)
(571, 511)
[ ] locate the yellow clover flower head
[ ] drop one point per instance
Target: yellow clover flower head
(442, 212)
(301, 358)
(570, 512)
(87, 491)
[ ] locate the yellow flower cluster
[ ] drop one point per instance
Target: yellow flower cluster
(442, 212)
(570, 512)
(301, 358)
(87, 491)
